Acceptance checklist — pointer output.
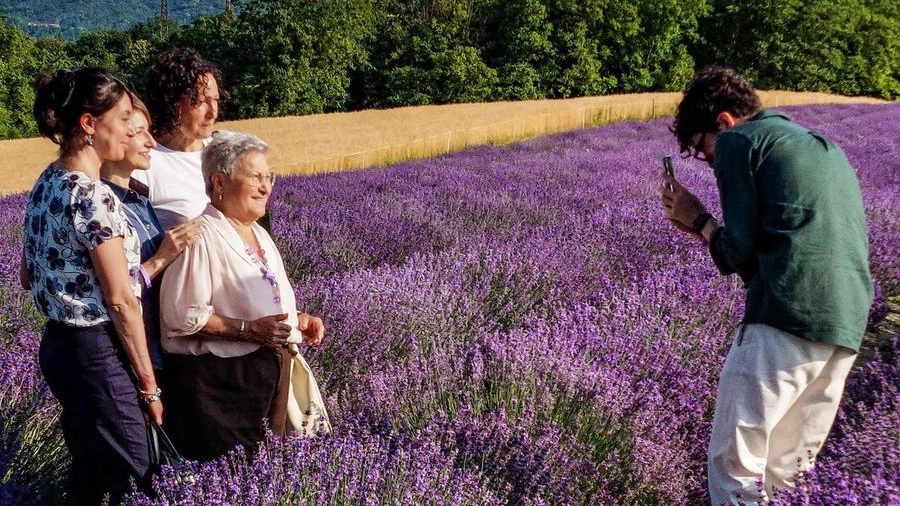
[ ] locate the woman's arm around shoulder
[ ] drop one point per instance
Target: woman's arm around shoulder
(173, 243)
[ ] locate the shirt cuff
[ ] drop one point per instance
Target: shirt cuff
(146, 277)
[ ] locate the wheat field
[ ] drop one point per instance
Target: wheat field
(343, 141)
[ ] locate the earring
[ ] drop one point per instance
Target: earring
(90, 139)
(220, 196)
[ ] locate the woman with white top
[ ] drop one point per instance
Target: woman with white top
(183, 99)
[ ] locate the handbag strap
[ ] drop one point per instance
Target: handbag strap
(161, 444)
(153, 443)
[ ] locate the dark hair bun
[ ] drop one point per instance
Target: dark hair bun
(61, 100)
(53, 94)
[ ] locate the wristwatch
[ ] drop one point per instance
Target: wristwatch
(700, 222)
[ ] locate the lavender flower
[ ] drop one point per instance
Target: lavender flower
(507, 325)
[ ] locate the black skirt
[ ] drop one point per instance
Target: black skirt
(214, 404)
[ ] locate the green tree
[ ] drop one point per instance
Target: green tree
(648, 42)
(842, 46)
(876, 59)
(515, 40)
(578, 64)
(428, 52)
(17, 75)
(293, 56)
(147, 43)
(101, 48)
(52, 53)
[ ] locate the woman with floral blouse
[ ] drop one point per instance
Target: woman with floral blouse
(82, 262)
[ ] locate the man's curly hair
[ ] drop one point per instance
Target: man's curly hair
(174, 75)
(714, 89)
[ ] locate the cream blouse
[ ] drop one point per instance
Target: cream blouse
(218, 275)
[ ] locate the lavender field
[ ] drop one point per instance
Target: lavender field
(512, 325)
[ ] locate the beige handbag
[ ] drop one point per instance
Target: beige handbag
(306, 409)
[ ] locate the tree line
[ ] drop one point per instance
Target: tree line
(294, 57)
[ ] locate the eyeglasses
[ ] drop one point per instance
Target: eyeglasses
(256, 179)
(696, 149)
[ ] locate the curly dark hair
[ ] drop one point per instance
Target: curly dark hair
(61, 99)
(714, 89)
(174, 75)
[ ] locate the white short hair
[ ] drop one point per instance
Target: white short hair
(225, 152)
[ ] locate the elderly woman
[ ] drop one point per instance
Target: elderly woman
(158, 247)
(229, 312)
(82, 264)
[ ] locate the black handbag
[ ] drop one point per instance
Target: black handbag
(163, 453)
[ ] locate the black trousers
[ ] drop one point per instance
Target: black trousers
(215, 404)
(102, 423)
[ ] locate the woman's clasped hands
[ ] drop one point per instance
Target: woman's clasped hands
(273, 331)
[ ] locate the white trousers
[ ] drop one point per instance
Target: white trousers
(777, 398)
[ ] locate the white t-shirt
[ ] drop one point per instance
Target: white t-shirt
(175, 179)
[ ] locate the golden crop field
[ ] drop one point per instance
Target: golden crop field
(342, 141)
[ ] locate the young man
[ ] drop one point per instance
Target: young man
(793, 228)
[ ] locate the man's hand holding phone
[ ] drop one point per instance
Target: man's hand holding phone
(682, 207)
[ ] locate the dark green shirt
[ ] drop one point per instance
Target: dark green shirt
(794, 230)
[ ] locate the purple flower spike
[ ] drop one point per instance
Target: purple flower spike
(505, 325)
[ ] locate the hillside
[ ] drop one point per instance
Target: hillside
(70, 18)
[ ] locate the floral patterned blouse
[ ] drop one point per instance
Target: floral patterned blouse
(69, 214)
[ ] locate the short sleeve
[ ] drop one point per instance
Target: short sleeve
(97, 215)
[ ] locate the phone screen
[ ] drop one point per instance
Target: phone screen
(667, 166)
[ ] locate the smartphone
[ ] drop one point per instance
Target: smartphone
(667, 166)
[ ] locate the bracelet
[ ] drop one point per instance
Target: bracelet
(700, 222)
(148, 398)
(243, 328)
(147, 283)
